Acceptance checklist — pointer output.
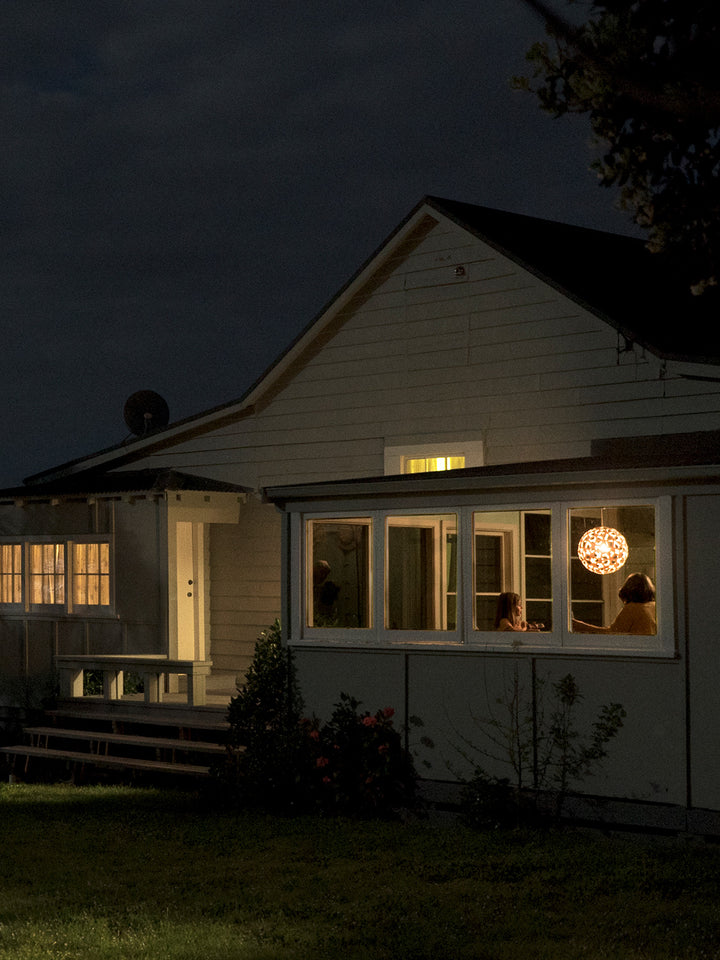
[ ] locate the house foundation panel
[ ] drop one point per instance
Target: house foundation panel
(703, 577)
(375, 678)
(486, 711)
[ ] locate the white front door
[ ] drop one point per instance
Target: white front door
(189, 640)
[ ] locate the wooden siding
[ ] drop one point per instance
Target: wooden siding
(421, 355)
(244, 591)
(135, 623)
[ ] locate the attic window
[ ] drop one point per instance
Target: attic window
(433, 456)
(432, 464)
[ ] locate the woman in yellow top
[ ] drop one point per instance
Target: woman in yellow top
(638, 611)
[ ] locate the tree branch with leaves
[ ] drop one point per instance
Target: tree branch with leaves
(645, 74)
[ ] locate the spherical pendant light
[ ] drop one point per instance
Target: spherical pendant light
(603, 550)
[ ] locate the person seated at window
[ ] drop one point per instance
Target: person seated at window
(509, 614)
(638, 611)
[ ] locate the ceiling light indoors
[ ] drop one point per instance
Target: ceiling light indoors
(602, 550)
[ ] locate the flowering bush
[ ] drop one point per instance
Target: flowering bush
(356, 764)
(359, 763)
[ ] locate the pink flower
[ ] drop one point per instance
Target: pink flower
(388, 712)
(326, 780)
(314, 734)
(322, 762)
(369, 721)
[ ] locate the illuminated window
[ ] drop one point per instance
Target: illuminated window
(91, 574)
(438, 578)
(512, 554)
(595, 600)
(11, 573)
(338, 573)
(68, 575)
(432, 464)
(433, 455)
(421, 573)
(47, 573)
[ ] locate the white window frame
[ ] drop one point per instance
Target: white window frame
(395, 456)
(348, 634)
(561, 639)
(441, 523)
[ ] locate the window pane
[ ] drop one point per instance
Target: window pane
(537, 534)
(338, 573)
(47, 573)
(421, 573)
(91, 574)
(488, 563)
(11, 573)
(512, 555)
(595, 602)
(432, 464)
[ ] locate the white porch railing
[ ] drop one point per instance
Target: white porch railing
(154, 669)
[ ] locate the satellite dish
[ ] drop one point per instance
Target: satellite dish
(146, 411)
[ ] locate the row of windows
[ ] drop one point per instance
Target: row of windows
(455, 572)
(62, 574)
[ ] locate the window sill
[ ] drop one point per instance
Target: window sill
(541, 644)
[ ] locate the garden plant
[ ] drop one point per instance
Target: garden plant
(356, 763)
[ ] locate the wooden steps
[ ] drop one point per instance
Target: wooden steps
(105, 760)
(128, 742)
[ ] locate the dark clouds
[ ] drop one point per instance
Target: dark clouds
(183, 184)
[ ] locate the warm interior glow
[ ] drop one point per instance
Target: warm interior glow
(433, 464)
(603, 550)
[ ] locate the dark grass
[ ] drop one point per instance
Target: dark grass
(115, 872)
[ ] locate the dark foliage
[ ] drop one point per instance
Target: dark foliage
(279, 760)
(645, 73)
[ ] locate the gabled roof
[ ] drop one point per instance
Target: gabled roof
(639, 293)
(98, 484)
(612, 276)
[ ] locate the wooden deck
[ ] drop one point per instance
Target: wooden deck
(80, 739)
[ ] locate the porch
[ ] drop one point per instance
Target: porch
(160, 677)
(152, 719)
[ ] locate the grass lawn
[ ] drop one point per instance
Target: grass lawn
(113, 872)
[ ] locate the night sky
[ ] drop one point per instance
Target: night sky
(185, 184)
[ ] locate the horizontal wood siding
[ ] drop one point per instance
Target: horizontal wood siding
(423, 355)
(244, 591)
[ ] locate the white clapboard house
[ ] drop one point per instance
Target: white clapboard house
(483, 391)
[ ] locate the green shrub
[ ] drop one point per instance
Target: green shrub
(356, 764)
(266, 742)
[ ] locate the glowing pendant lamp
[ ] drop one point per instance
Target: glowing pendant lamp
(603, 550)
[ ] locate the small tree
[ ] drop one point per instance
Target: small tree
(266, 741)
(542, 746)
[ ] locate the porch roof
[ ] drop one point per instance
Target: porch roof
(93, 483)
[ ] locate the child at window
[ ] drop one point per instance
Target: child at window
(509, 614)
